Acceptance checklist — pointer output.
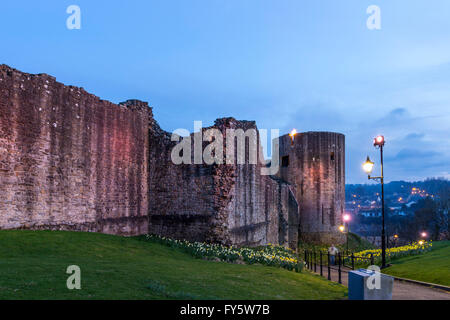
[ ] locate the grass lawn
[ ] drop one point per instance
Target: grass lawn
(433, 266)
(33, 266)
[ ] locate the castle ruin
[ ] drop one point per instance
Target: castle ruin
(71, 161)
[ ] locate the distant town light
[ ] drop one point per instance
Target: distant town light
(346, 217)
(341, 228)
(368, 165)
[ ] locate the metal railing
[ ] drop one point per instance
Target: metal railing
(319, 260)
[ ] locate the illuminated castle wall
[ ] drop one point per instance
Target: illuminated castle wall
(72, 161)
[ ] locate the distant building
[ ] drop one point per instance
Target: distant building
(370, 213)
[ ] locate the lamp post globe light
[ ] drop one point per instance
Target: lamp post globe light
(368, 166)
(378, 142)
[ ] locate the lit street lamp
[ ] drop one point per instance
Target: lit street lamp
(378, 142)
(423, 234)
(292, 135)
(368, 166)
(395, 239)
(346, 218)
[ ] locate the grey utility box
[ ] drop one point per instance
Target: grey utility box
(366, 284)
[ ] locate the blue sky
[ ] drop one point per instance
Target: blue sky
(312, 65)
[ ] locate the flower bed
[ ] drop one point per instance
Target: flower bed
(393, 253)
(269, 255)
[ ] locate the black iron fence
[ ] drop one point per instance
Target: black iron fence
(318, 261)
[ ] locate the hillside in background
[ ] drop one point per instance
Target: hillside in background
(436, 187)
(411, 208)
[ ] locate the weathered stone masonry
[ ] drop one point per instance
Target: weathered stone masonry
(69, 160)
(230, 204)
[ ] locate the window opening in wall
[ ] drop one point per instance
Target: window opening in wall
(285, 161)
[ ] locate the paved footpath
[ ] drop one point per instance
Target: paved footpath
(402, 290)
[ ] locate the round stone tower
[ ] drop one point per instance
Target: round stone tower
(314, 163)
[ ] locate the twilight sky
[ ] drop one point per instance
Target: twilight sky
(309, 65)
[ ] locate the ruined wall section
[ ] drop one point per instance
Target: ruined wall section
(249, 218)
(225, 203)
(69, 160)
(183, 197)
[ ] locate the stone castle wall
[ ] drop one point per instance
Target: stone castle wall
(69, 160)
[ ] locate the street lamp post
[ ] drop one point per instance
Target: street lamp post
(347, 220)
(342, 229)
(368, 167)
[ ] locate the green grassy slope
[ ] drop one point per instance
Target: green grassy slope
(433, 266)
(33, 266)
